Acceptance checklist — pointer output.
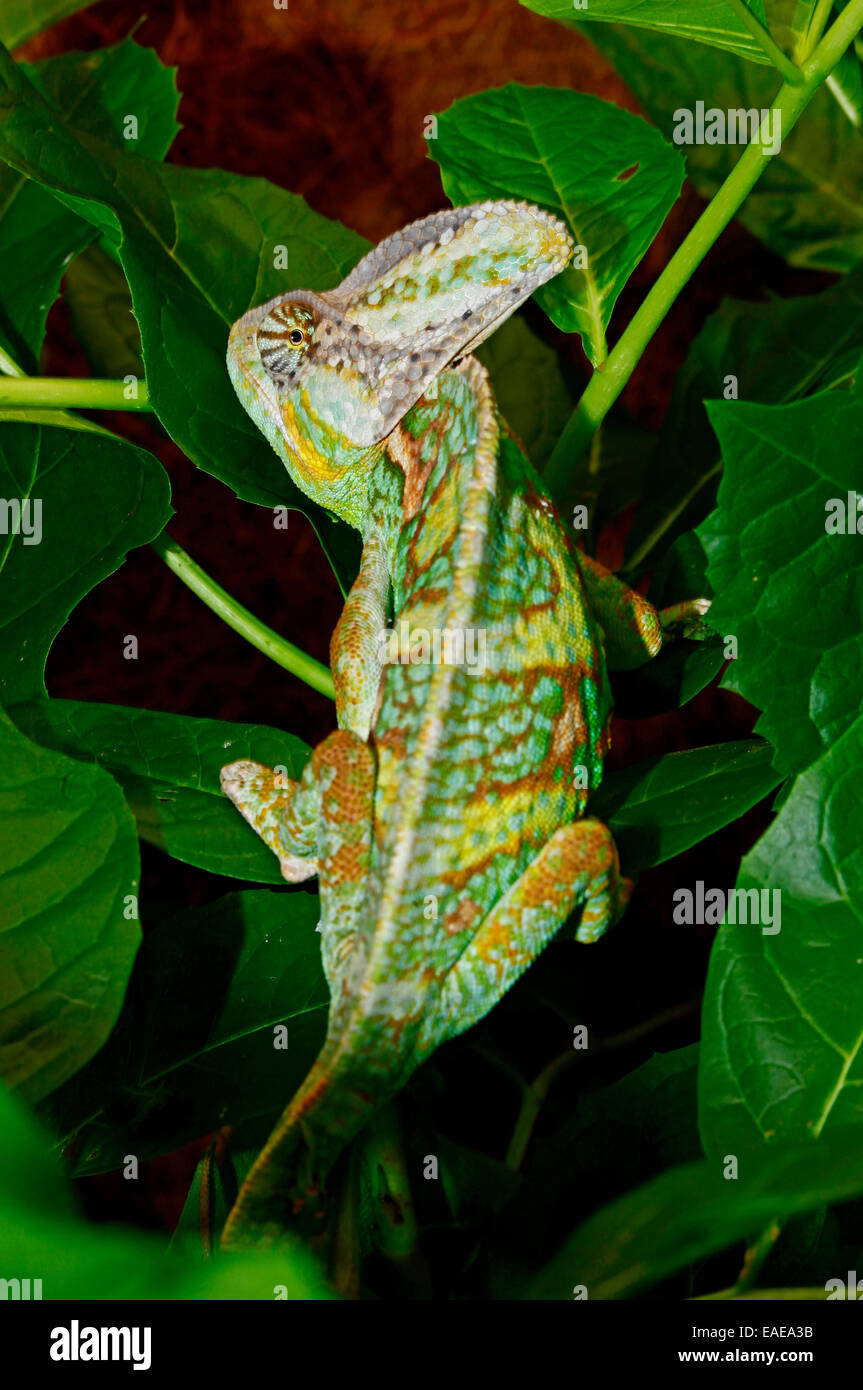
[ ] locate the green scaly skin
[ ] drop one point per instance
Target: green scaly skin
(445, 817)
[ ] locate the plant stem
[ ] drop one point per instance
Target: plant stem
(606, 384)
(810, 1295)
(281, 651)
(766, 42)
(817, 23)
(396, 1225)
(534, 1095)
(755, 1256)
(36, 415)
(8, 365)
(277, 648)
(77, 393)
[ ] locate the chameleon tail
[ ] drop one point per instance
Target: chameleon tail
(284, 1194)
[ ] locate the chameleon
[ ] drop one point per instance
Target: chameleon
(446, 816)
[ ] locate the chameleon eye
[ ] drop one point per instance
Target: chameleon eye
(284, 336)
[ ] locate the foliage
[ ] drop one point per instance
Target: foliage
(136, 1028)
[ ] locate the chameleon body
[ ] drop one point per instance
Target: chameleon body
(445, 817)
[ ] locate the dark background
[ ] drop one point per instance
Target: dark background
(328, 100)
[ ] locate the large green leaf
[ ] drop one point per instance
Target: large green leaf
(665, 805)
(593, 1146)
(43, 1238)
(779, 351)
(783, 1013)
(695, 1209)
(788, 590)
(168, 765)
(20, 20)
(196, 1047)
(94, 92)
(707, 21)
(98, 497)
(100, 306)
(197, 247)
(68, 922)
(605, 172)
(782, 1049)
(808, 203)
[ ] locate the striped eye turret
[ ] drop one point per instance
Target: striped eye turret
(284, 337)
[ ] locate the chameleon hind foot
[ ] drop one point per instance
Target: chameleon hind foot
(578, 865)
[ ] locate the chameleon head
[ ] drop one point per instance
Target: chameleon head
(328, 376)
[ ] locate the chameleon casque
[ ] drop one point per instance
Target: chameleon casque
(445, 817)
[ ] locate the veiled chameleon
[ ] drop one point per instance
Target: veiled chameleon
(445, 817)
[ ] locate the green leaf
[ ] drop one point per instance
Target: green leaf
(42, 1237)
(780, 351)
(168, 766)
(475, 1186)
(22, 19)
(68, 924)
(198, 246)
(92, 500)
(845, 85)
(787, 589)
(38, 235)
(693, 1210)
(100, 307)
(783, 1013)
(195, 1047)
(529, 385)
(808, 203)
(662, 806)
(605, 172)
(707, 21)
(605, 1142)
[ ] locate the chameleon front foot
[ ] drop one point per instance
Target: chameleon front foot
(687, 619)
(268, 800)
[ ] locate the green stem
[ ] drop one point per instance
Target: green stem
(396, 1226)
(606, 384)
(534, 1095)
(35, 415)
(284, 653)
(396, 1231)
(76, 393)
(766, 42)
(817, 24)
(805, 1295)
(8, 365)
(755, 1257)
